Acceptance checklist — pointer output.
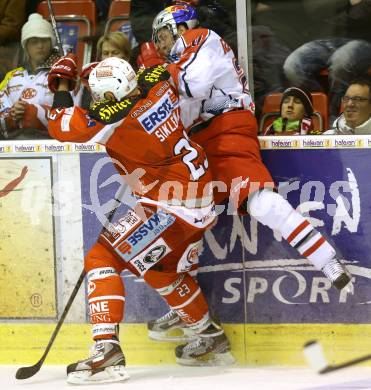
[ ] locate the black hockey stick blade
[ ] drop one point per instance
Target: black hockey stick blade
(28, 372)
(315, 356)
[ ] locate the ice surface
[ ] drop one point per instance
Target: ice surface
(200, 378)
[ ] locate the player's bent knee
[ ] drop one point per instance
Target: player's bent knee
(269, 208)
(98, 256)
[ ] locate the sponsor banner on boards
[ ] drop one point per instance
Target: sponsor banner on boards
(248, 272)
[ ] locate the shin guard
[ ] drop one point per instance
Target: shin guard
(182, 294)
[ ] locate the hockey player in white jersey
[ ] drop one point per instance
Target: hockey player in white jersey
(217, 107)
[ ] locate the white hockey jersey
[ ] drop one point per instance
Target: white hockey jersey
(208, 76)
(32, 89)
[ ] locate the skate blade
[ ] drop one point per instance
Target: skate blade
(173, 335)
(208, 360)
(108, 375)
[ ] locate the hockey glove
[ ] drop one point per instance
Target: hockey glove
(149, 56)
(64, 68)
(85, 73)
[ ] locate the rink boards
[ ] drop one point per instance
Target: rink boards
(270, 300)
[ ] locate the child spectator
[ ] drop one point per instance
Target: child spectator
(296, 112)
(24, 95)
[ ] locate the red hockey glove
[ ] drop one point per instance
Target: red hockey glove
(149, 56)
(64, 68)
(85, 73)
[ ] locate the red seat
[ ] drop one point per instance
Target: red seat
(271, 110)
(118, 15)
(75, 19)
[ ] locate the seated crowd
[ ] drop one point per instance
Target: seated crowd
(25, 98)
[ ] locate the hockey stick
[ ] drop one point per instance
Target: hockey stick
(55, 28)
(28, 372)
(315, 356)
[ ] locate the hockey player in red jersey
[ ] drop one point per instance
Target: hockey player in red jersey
(218, 110)
(143, 134)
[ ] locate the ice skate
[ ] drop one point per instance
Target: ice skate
(170, 327)
(211, 348)
(337, 273)
(106, 364)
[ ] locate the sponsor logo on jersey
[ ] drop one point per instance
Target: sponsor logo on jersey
(115, 232)
(158, 114)
(189, 257)
(155, 74)
(14, 88)
(141, 109)
(91, 287)
(153, 254)
(29, 93)
(99, 312)
(144, 234)
(90, 121)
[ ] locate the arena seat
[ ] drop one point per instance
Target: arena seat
(118, 15)
(271, 108)
(75, 20)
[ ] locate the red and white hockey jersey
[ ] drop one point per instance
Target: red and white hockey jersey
(150, 150)
(208, 76)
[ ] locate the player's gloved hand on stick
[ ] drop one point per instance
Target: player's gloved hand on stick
(64, 68)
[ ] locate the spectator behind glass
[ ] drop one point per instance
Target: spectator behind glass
(24, 95)
(343, 45)
(356, 116)
(12, 16)
(113, 44)
(276, 32)
(296, 112)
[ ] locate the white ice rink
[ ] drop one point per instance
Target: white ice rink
(201, 378)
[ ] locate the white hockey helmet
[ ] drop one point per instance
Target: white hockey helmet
(112, 75)
(173, 16)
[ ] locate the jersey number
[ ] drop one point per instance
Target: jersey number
(197, 171)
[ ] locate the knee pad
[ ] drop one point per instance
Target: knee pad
(106, 298)
(269, 208)
(99, 256)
